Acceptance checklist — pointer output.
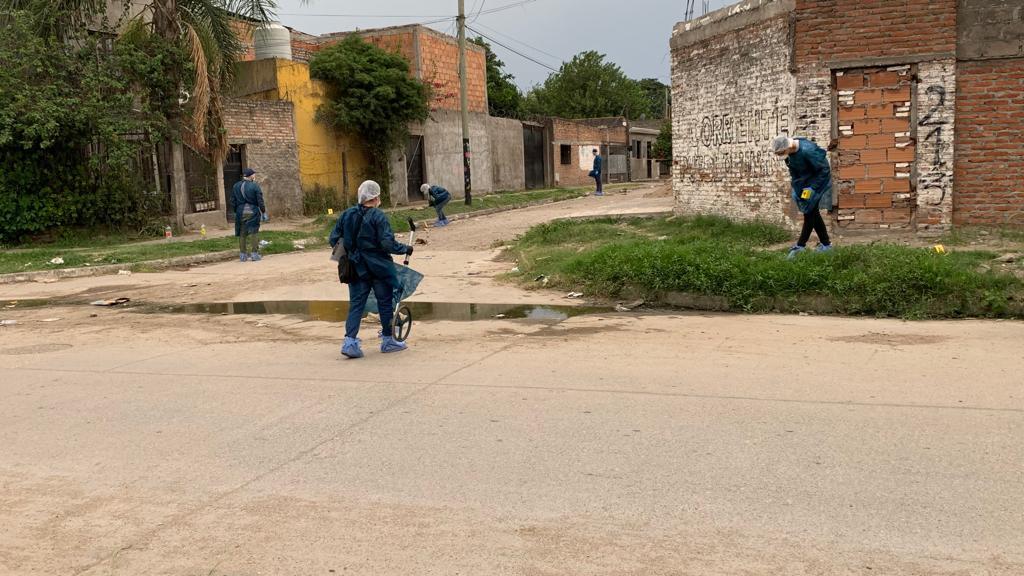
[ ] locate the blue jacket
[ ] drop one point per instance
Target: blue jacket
(597, 165)
(370, 247)
(251, 194)
(438, 195)
(809, 168)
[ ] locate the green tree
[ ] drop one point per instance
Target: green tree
(663, 145)
(503, 97)
(655, 96)
(204, 29)
(372, 96)
(75, 119)
(588, 87)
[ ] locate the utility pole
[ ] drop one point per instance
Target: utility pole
(464, 100)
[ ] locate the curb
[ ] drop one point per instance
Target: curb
(112, 269)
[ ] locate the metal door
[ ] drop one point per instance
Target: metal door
(533, 155)
(414, 168)
(233, 166)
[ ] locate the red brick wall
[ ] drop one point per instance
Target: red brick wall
(439, 59)
(990, 143)
(828, 30)
(578, 135)
(875, 148)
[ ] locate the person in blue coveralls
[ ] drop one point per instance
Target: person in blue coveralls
(369, 243)
(812, 187)
(438, 197)
(596, 172)
(250, 211)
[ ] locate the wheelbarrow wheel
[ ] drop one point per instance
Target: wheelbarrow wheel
(401, 326)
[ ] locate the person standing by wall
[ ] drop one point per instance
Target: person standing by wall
(438, 197)
(369, 243)
(250, 211)
(812, 187)
(596, 172)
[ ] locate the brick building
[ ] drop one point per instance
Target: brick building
(262, 135)
(434, 153)
(573, 143)
(922, 105)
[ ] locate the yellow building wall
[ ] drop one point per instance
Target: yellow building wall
(325, 157)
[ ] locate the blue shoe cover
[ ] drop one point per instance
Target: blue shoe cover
(351, 348)
(389, 344)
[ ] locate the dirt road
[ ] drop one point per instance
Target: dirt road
(653, 443)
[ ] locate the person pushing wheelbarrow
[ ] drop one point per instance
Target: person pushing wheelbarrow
(368, 242)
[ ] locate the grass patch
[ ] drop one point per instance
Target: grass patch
(964, 235)
(35, 259)
(727, 261)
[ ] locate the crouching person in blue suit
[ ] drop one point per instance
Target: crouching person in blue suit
(812, 187)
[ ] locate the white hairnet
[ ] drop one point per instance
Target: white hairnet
(368, 190)
(425, 188)
(781, 143)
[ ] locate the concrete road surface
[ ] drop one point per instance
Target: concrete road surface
(624, 443)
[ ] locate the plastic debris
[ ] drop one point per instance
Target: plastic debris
(57, 260)
(574, 295)
(113, 302)
(264, 243)
(8, 322)
(515, 270)
(124, 272)
(51, 319)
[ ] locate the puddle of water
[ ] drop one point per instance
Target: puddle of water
(337, 311)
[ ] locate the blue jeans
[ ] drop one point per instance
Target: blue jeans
(358, 292)
(598, 180)
(439, 207)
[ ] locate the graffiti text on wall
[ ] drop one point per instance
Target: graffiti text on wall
(934, 174)
(715, 165)
(749, 127)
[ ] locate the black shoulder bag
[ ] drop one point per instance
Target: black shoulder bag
(346, 269)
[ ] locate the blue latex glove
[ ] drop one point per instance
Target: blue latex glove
(266, 217)
(806, 199)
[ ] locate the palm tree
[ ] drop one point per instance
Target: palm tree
(205, 29)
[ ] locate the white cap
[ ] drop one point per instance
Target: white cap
(368, 190)
(425, 188)
(781, 143)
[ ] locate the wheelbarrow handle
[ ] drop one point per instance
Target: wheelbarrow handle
(412, 238)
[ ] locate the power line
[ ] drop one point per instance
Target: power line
(440, 17)
(520, 42)
(482, 4)
(513, 50)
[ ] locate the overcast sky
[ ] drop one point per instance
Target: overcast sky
(633, 33)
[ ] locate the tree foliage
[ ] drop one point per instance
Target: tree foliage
(588, 87)
(372, 96)
(503, 97)
(656, 97)
(73, 119)
(663, 145)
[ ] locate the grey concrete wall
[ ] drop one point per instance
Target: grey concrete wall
(507, 154)
(496, 145)
(990, 29)
(442, 145)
